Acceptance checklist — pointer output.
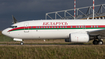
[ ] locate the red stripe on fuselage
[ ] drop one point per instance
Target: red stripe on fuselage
(78, 26)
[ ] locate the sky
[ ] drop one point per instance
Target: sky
(35, 9)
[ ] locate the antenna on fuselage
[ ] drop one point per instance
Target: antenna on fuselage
(14, 20)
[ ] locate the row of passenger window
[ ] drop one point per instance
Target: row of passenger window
(66, 27)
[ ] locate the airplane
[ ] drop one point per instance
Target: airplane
(77, 30)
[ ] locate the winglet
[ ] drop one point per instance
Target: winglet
(14, 20)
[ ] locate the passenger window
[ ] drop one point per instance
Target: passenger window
(41, 26)
(94, 26)
(57, 26)
(54, 26)
(83, 26)
(71, 26)
(36, 27)
(31, 27)
(66, 27)
(60, 26)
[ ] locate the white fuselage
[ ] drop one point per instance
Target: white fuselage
(52, 29)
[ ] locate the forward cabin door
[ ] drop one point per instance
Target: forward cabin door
(26, 27)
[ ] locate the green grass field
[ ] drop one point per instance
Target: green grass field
(0, 33)
(53, 52)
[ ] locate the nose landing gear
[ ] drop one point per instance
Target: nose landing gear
(21, 43)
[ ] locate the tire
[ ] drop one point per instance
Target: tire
(100, 42)
(21, 43)
(95, 42)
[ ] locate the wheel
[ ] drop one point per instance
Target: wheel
(95, 42)
(100, 42)
(21, 43)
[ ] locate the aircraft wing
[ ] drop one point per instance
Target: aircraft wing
(99, 32)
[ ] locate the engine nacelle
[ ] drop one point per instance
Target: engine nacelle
(78, 37)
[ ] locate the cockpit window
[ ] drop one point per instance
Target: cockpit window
(13, 26)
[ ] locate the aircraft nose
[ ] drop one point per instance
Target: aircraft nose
(5, 31)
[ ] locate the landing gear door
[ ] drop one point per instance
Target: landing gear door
(26, 27)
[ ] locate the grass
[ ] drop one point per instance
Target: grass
(52, 52)
(0, 33)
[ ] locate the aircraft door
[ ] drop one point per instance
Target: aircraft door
(26, 27)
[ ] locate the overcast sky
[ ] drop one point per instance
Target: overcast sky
(35, 9)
